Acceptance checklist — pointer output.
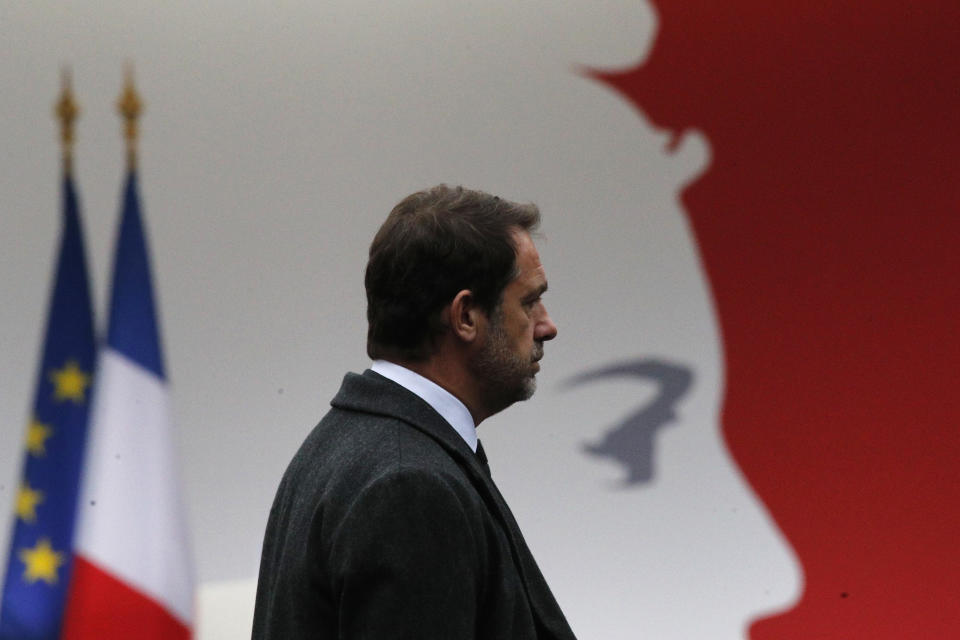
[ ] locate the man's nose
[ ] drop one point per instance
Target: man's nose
(546, 329)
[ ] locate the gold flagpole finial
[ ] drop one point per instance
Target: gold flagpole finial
(66, 110)
(130, 107)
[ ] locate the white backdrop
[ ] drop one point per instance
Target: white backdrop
(276, 138)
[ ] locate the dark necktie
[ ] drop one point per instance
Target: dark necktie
(482, 456)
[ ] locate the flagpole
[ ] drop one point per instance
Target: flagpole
(130, 107)
(66, 110)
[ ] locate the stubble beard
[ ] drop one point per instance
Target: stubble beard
(507, 377)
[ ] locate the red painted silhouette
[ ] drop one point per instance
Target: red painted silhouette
(829, 225)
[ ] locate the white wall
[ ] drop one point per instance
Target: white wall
(276, 138)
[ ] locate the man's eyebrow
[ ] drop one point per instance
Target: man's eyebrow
(539, 291)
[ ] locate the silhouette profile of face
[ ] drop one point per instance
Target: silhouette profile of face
(827, 223)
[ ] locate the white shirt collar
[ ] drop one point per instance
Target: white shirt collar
(442, 401)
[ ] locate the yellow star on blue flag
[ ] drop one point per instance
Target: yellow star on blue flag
(27, 501)
(37, 434)
(41, 562)
(70, 383)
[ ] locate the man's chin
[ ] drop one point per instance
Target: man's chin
(529, 388)
(522, 390)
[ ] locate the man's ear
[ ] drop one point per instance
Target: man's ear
(464, 316)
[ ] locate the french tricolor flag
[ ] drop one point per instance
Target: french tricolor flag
(132, 575)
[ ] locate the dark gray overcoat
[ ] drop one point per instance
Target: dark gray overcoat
(386, 525)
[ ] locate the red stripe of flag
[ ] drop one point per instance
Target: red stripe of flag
(105, 608)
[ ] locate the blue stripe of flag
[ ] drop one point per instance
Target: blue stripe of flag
(133, 327)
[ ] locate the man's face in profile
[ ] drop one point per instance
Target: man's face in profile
(508, 359)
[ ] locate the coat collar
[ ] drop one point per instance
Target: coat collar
(377, 395)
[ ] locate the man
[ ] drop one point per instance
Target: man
(387, 523)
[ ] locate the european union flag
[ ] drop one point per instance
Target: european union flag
(38, 570)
